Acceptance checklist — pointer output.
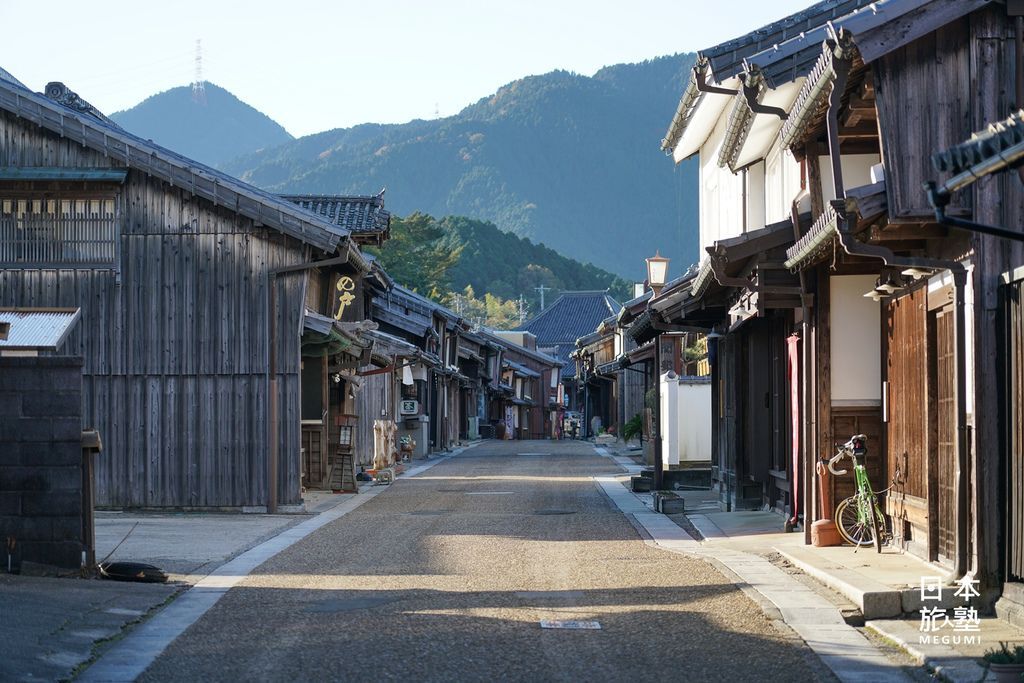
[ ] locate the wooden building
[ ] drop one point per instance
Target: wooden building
(891, 303)
(572, 315)
(193, 288)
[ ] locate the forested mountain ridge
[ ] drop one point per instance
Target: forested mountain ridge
(212, 127)
(566, 160)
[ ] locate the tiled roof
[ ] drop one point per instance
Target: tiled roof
(571, 316)
(990, 145)
(359, 215)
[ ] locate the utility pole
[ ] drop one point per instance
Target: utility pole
(542, 289)
(522, 310)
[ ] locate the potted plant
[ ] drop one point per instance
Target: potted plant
(1006, 664)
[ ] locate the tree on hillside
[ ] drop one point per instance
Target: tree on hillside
(490, 311)
(415, 256)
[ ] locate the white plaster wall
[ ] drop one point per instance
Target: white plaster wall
(856, 172)
(686, 414)
(856, 341)
(782, 185)
(755, 196)
(721, 205)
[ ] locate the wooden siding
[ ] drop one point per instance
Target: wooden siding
(372, 405)
(846, 422)
(907, 374)
(998, 200)
(923, 91)
(1015, 431)
(175, 345)
(944, 422)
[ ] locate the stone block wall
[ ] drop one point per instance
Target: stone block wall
(41, 461)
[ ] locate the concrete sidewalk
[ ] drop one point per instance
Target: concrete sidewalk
(885, 587)
(51, 627)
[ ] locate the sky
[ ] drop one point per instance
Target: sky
(317, 65)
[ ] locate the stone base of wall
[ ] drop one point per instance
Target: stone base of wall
(41, 461)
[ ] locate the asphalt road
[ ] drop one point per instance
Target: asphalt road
(447, 576)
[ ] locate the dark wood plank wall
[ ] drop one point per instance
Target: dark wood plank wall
(372, 406)
(176, 353)
(907, 373)
(923, 92)
(998, 200)
(1015, 432)
(909, 430)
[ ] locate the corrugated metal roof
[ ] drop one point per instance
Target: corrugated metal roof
(37, 328)
(114, 175)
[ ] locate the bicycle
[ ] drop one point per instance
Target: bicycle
(859, 518)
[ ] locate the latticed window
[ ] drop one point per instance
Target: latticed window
(58, 232)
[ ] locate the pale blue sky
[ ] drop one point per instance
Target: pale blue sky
(315, 65)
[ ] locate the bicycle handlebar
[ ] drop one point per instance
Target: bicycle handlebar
(856, 443)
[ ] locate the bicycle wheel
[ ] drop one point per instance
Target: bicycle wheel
(855, 527)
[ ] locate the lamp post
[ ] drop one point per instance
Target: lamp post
(657, 270)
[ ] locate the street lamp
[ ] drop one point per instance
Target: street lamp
(657, 270)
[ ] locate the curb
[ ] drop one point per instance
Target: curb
(140, 647)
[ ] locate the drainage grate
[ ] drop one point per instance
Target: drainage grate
(571, 624)
(555, 512)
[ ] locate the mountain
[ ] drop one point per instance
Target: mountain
(566, 160)
(212, 129)
(506, 265)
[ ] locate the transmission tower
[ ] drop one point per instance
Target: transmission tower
(199, 85)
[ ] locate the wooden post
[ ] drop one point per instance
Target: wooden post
(91, 445)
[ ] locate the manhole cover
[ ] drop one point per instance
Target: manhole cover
(429, 513)
(351, 604)
(570, 624)
(555, 512)
(550, 595)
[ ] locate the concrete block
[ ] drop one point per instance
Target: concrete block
(63, 554)
(53, 454)
(668, 503)
(640, 484)
(10, 504)
(26, 430)
(52, 404)
(10, 404)
(52, 504)
(23, 479)
(27, 528)
(65, 478)
(67, 428)
(67, 529)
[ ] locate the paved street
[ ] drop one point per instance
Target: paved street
(447, 576)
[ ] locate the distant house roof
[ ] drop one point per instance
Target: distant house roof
(489, 336)
(36, 329)
(81, 123)
(571, 316)
(365, 217)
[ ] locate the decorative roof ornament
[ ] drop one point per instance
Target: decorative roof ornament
(62, 94)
